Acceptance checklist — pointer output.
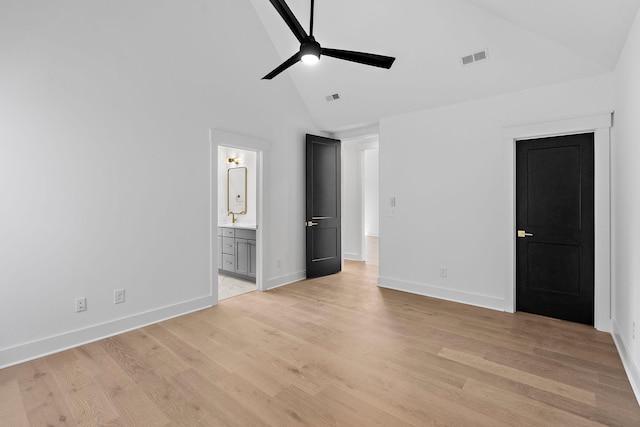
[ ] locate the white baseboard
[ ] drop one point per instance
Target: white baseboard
(54, 344)
(630, 366)
(478, 300)
(286, 279)
(352, 256)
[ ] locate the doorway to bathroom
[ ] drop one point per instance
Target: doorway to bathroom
(237, 208)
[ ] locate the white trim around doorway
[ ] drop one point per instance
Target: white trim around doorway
(262, 148)
(600, 125)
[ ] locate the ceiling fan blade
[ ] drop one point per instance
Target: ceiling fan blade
(286, 64)
(290, 19)
(360, 57)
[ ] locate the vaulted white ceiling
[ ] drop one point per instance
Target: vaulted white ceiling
(530, 43)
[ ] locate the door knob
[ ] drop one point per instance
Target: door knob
(522, 233)
(310, 223)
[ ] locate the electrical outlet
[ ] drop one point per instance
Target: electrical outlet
(443, 271)
(81, 304)
(118, 296)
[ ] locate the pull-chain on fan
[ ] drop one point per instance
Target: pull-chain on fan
(310, 49)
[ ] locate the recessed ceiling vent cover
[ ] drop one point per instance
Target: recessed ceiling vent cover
(475, 57)
(333, 97)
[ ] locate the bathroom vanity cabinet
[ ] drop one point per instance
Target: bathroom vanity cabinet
(237, 252)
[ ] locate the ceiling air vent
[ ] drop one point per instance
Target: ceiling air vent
(333, 97)
(475, 57)
(467, 60)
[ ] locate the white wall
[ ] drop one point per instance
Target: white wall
(248, 159)
(105, 179)
(626, 206)
(371, 190)
(452, 176)
(352, 208)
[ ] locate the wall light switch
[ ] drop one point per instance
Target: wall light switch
(392, 201)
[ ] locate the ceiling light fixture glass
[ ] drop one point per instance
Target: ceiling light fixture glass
(310, 59)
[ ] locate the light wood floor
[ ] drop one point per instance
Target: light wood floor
(331, 351)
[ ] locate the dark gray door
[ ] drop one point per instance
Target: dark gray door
(324, 253)
(555, 220)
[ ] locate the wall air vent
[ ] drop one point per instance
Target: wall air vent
(475, 57)
(333, 97)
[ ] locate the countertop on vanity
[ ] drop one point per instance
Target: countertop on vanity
(240, 226)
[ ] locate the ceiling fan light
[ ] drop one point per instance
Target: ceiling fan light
(310, 59)
(310, 51)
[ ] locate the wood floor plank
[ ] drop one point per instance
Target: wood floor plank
(137, 367)
(86, 400)
(206, 395)
(131, 401)
(611, 415)
(266, 407)
(182, 410)
(133, 405)
(524, 377)
(43, 400)
(12, 411)
(190, 357)
(524, 412)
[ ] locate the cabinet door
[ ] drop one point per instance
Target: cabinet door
(228, 263)
(251, 246)
(228, 245)
(219, 251)
(242, 257)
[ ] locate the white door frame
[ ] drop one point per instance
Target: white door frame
(600, 126)
(262, 148)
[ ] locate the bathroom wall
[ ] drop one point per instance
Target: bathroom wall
(247, 159)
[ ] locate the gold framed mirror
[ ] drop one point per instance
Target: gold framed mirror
(237, 190)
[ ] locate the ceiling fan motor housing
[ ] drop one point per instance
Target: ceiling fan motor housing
(310, 47)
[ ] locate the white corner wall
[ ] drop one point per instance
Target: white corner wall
(105, 171)
(626, 207)
(451, 175)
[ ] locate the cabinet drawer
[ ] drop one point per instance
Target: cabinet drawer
(246, 234)
(228, 245)
(228, 232)
(228, 263)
